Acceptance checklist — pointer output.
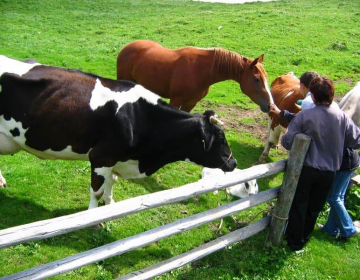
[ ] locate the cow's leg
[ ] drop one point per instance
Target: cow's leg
(2, 181)
(102, 181)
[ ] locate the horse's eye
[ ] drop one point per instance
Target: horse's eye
(256, 79)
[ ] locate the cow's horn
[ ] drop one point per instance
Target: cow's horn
(214, 120)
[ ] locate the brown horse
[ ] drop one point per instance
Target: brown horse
(285, 90)
(185, 75)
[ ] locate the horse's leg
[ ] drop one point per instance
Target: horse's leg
(188, 106)
(176, 102)
(2, 181)
(272, 141)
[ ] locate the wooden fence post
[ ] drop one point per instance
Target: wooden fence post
(287, 191)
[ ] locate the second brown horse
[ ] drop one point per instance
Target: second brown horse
(185, 75)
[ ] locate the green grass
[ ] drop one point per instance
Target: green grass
(87, 35)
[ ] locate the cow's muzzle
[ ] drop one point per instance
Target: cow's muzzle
(229, 165)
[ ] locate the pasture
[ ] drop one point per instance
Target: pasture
(87, 35)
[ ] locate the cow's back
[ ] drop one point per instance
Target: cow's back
(48, 107)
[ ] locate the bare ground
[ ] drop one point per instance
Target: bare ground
(257, 128)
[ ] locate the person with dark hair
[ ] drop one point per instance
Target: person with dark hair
(339, 222)
(305, 80)
(329, 129)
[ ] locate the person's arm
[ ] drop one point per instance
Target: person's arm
(284, 114)
(293, 129)
(287, 116)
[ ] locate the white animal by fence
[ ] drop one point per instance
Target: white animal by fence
(241, 190)
(350, 104)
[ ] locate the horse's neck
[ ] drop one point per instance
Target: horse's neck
(227, 65)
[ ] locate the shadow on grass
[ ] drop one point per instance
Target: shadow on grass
(247, 156)
(17, 211)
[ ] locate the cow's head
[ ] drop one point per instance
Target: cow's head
(210, 148)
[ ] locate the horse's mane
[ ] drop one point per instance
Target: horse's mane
(228, 63)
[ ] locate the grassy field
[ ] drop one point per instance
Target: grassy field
(295, 35)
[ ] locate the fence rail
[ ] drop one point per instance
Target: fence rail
(61, 225)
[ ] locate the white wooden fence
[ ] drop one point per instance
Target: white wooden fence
(53, 227)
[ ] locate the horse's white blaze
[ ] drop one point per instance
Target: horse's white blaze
(8, 65)
(268, 91)
(102, 95)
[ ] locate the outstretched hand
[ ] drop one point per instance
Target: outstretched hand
(274, 109)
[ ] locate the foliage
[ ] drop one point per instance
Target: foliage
(87, 35)
(352, 202)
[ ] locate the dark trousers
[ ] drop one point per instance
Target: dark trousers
(310, 198)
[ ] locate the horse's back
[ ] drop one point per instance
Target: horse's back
(350, 104)
(130, 55)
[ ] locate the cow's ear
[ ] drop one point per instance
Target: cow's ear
(206, 135)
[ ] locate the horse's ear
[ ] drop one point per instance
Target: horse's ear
(261, 58)
(258, 60)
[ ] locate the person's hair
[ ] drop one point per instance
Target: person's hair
(307, 77)
(322, 89)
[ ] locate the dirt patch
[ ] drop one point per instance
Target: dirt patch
(251, 121)
(232, 116)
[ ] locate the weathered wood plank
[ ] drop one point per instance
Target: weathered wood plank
(61, 225)
(356, 179)
(142, 239)
(199, 252)
(287, 191)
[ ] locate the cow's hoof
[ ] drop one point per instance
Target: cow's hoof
(98, 227)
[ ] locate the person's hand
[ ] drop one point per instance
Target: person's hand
(274, 109)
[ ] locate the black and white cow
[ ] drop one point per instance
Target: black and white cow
(120, 127)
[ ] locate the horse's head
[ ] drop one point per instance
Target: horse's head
(253, 82)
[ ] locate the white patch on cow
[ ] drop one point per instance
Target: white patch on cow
(12, 145)
(128, 169)
(240, 190)
(8, 65)
(65, 154)
(2, 181)
(8, 145)
(106, 190)
(102, 95)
